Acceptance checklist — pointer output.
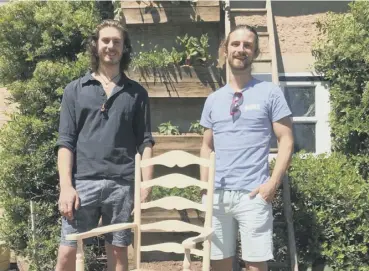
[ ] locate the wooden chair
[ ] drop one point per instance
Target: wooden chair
(188, 247)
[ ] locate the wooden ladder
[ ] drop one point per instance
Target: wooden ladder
(230, 13)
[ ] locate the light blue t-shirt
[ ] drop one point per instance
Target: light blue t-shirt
(242, 145)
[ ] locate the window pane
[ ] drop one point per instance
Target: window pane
(304, 136)
(301, 100)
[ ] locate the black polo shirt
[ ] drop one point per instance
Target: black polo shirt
(104, 133)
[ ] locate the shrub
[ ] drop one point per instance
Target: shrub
(342, 57)
(41, 50)
(331, 209)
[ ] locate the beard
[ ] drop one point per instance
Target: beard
(239, 64)
(109, 61)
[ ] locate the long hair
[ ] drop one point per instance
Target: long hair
(93, 41)
(224, 43)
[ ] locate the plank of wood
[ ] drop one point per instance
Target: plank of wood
(184, 81)
(170, 248)
(162, 4)
(156, 214)
(177, 90)
(171, 226)
(174, 180)
(178, 142)
(175, 158)
(145, 12)
(178, 74)
(100, 230)
(174, 202)
(271, 30)
(171, 14)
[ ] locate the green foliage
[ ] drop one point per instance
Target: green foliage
(195, 49)
(41, 51)
(342, 56)
(330, 202)
(155, 59)
(197, 128)
(167, 128)
(191, 50)
(191, 193)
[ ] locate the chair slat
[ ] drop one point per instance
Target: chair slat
(171, 226)
(174, 202)
(175, 158)
(175, 180)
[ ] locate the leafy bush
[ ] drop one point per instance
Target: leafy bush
(330, 202)
(342, 56)
(41, 50)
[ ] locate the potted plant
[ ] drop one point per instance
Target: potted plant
(170, 138)
(184, 71)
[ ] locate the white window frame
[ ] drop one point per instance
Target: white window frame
(321, 118)
(322, 108)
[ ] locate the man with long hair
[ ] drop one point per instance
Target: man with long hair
(104, 122)
(239, 119)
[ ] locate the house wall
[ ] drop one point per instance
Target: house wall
(295, 29)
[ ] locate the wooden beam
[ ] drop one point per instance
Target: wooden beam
(179, 81)
(145, 12)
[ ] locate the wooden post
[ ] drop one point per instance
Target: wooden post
(137, 213)
(270, 26)
(187, 261)
(290, 229)
(209, 211)
(80, 260)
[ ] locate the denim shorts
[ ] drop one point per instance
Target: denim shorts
(235, 211)
(111, 200)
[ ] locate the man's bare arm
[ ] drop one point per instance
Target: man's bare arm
(68, 200)
(283, 132)
(147, 172)
(65, 165)
(206, 148)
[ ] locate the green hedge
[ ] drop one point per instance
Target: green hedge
(342, 57)
(41, 51)
(330, 201)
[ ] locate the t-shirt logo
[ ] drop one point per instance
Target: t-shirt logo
(249, 107)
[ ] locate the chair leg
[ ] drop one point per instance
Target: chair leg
(206, 258)
(80, 259)
(187, 260)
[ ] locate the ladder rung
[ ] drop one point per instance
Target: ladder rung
(263, 34)
(263, 60)
(248, 10)
(278, 265)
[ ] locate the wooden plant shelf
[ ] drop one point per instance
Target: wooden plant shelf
(190, 143)
(179, 81)
(151, 12)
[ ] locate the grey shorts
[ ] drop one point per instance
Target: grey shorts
(236, 211)
(111, 200)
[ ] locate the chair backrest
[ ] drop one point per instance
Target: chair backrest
(171, 159)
